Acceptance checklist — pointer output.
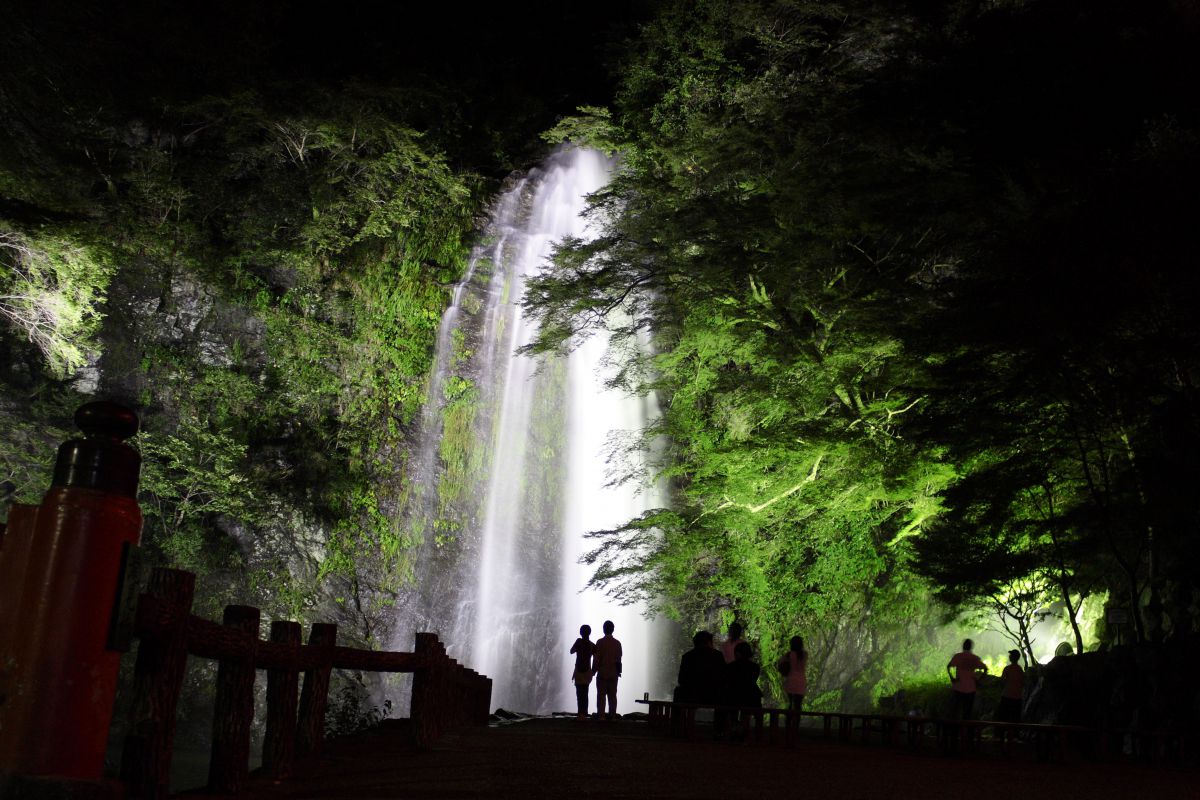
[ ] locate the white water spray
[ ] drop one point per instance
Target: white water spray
(511, 600)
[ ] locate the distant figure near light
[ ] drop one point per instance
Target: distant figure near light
(730, 645)
(582, 675)
(962, 669)
(794, 669)
(1014, 687)
(606, 666)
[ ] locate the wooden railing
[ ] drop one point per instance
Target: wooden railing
(444, 693)
(1049, 741)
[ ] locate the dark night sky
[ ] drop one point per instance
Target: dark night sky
(181, 48)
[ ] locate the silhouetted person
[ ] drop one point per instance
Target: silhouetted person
(962, 669)
(794, 669)
(739, 686)
(606, 666)
(741, 678)
(582, 676)
(701, 672)
(730, 644)
(1014, 686)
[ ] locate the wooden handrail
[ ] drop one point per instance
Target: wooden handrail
(445, 694)
(1049, 738)
(207, 639)
(375, 660)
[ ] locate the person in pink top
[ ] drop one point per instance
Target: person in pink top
(582, 676)
(962, 670)
(794, 668)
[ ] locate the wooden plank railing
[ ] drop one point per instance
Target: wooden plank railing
(444, 694)
(1049, 742)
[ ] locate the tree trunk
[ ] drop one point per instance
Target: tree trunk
(1066, 594)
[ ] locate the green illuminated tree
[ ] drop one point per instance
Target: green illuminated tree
(773, 296)
(866, 256)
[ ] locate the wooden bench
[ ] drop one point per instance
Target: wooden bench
(765, 723)
(680, 718)
(1050, 742)
(1152, 745)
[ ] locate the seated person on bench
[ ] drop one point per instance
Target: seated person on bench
(701, 672)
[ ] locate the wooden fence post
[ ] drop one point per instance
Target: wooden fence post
(279, 743)
(157, 678)
(449, 710)
(441, 689)
(233, 709)
(444, 678)
(423, 700)
(314, 697)
(470, 694)
(454, 687)
(481, 700)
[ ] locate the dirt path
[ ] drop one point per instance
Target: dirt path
(560, 758)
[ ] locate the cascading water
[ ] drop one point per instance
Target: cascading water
(503, 512)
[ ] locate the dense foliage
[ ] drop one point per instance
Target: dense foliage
(245, 222)
(287, 272)
(920, 324)
(911, 281)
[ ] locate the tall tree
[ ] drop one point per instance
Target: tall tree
(873, 249)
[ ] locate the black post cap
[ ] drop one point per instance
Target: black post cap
(102, 461)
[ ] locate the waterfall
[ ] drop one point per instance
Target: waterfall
(508, 472)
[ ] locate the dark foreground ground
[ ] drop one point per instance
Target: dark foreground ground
(562, 758)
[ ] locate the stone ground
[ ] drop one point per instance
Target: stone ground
(562, 758)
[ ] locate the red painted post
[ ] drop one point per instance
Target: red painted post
(59, 572)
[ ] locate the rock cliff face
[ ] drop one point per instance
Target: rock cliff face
(257, 264)
(1142, 687)
(203, 216)
(264, 289)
